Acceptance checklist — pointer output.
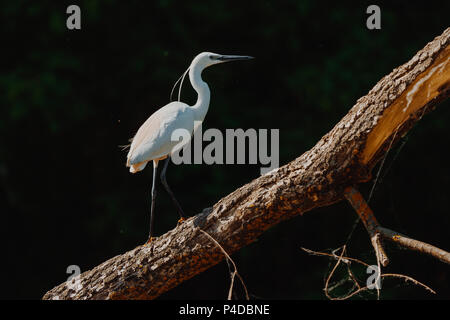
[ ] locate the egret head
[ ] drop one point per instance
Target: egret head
(206, 59)
(202, 61)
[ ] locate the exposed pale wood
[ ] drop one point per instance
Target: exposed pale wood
(426, 87)
(343, 157)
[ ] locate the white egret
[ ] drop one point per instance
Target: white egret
(152, 141)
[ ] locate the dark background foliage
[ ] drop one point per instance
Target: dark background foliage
(68, 99)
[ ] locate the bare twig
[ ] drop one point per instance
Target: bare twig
(370, 222)
(348, 260)
(344, 259)
(331, 274)
(381, 165)
(356, 284)
(234, 273)
(406, 278)
(415, 245)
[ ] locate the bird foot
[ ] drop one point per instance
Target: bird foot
(181, 220)
(150, 240)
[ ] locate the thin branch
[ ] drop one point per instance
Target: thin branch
(344, 258)
(331, 274)
(381, 166)
(370, 222)
(234, 273)
(347, 260)
(415, 245)
(406, 278)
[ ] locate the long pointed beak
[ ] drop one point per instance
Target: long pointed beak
(233, 58)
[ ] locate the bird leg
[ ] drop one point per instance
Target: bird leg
(164, 182)
(152, 212)
(370, 222)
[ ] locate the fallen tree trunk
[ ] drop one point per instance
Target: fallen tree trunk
(343, 157)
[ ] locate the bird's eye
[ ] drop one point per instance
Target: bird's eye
(212, 57)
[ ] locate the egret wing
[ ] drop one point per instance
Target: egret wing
(154, 138)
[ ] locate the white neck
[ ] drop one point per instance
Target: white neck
(202, 89)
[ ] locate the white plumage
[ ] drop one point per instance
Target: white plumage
(153, 139)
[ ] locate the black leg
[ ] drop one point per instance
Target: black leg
(155, 172)
(164, 182)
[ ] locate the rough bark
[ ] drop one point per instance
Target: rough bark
(343, 157)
